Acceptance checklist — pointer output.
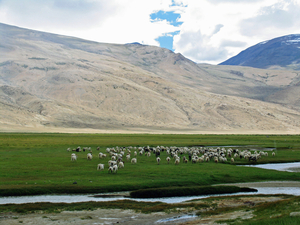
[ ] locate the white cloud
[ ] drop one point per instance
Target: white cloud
(233, 1)
(212, 30)
(244, 23)
(278, 19)
(198, 47)
(52, 14)
(114, 21)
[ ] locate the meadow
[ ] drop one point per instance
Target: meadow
(40, 163)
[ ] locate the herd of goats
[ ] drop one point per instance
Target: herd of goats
(117, 155)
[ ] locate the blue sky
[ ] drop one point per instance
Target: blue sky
(205, 31)
(172, 17)
(166, 40)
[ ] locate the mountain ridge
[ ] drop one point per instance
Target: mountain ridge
(54, 82)
(279, 53)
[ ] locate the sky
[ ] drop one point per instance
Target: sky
(205, 31)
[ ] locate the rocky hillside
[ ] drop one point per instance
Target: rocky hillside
(278, 53)
(52, 82)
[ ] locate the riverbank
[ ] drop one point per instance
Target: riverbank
(266, 188)
(202, 211)
(210, 209)
(98, 216)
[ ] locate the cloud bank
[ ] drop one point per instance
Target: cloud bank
(206, 31)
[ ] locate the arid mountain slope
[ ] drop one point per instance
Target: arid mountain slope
(52, 81)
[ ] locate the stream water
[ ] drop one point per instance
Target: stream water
(87, 198)
(290, 167)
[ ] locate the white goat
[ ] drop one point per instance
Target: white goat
(121, 165)
(113, 169)
(100, 166)
(112, 163)
(73, 157)
(168, 159)
(133, 160)
(89, 156)
(158, 160)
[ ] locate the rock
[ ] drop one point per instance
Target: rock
(295, 214)
(276, 216)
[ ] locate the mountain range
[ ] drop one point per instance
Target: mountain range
(278, 53)
(55, 83)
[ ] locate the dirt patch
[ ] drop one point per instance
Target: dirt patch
(233, 202)
(99, 216)
(227, 216)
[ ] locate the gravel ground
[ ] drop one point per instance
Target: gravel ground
(96, 217)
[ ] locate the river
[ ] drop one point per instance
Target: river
(290, 167)
(87, 198)
(283, 188)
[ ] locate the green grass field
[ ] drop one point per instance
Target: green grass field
(40, 163)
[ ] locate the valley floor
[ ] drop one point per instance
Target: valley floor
(143, 131)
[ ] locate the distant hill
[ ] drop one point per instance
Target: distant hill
(51, 82)
(278, 53)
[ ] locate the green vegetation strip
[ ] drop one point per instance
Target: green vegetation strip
(187, 191)
(42, 190)
(144, 207)
(285, 220)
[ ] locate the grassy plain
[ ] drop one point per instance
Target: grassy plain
(39, 163)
